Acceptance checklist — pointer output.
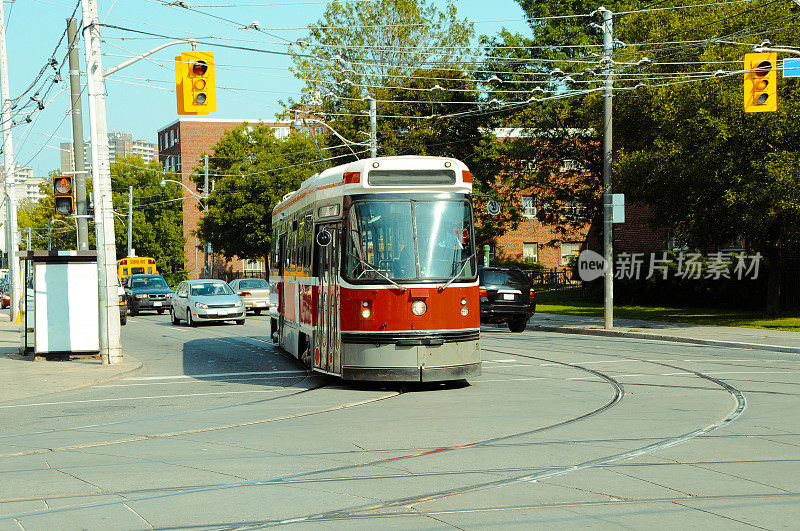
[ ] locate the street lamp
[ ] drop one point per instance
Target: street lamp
(49, 228)
(203, 200)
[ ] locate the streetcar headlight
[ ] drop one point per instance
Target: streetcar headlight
(419, 307)
(366, 311)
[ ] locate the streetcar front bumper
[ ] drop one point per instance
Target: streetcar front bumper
(412, 356)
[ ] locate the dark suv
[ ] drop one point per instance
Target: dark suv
(506, 297)
(147, 292)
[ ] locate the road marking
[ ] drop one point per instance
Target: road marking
(211, 375)
(500, 361)
(232, 380)
(139, 398)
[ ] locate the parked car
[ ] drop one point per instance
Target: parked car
(507, 297)
(5, 294)
(123, 307)
(201, 300)
(147, 292)
(253, 291)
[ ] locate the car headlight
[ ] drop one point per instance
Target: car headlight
(201, 306)
(238, 303)
(140, 296)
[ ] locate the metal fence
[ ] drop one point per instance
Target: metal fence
(227, 276)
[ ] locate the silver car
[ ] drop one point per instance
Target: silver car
(202, 300)
(254, 292)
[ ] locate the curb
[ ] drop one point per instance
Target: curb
(659, 337)
(136, 365)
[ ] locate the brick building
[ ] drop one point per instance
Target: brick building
(181, 145)
(533, 240)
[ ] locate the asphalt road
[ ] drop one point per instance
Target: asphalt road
(560, 432)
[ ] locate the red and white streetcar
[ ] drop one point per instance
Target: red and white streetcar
(373, 271)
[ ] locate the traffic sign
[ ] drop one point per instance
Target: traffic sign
(791, 68)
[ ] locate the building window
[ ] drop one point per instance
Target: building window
(281, 132)
(528, 206)
(252, 265)
(171, 137)
(528, 165)
(568, 250)
(530, 252)
(572, 210)
(570, 165)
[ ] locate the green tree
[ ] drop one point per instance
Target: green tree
(252, 171)
(712, 172)
(157, 215)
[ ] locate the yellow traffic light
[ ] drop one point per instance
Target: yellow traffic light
(194, 83)
(760, 86)
(64, 195)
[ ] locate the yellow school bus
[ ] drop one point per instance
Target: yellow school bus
(136, 265)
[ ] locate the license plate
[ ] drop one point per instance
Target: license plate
(261, 303)
(508, 296)
(157, 303)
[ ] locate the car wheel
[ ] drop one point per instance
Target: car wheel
(257, 312)
(160, 311)
(517, 325)
(240, 321)
(134, 311)
(189, 320)
(174, 317)
(123, 318)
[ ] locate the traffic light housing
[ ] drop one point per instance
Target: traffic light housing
(760, 82)
(64, 195)
(194, 83)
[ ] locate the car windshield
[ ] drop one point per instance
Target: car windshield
(410, 240)
(149, 282)
(253, 283)
(210, 289)
(494, 277)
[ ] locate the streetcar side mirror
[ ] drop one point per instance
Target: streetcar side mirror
(323, 238)
(492, 207)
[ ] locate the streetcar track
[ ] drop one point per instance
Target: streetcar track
(618, 395)
(343, 514)
(308, 374)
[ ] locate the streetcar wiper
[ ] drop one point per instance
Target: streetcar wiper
(463, 265)
(364, 262)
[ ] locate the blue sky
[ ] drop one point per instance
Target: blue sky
(140, 98)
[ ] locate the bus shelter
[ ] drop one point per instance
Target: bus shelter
(60, 313)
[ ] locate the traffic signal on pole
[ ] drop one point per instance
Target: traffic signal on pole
(64, 195)
(760, 86)
(194, 83)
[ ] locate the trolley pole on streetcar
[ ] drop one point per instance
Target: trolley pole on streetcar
(608, 255)
(373, 128)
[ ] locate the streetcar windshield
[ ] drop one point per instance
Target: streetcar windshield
(410, 241)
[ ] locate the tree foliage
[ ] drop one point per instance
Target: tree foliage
(712, 172)
(252, 171)
(157, 215)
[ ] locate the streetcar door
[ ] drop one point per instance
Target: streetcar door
(281, 284)
(327, 350)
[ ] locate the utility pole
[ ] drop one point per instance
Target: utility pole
(10, 177)
(77, 136)
(373, 128)
(206, 269)
(130, 221)
(110, 350)
(608, 89)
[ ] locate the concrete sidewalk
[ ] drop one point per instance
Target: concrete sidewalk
(723, 336)
(21, 377)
